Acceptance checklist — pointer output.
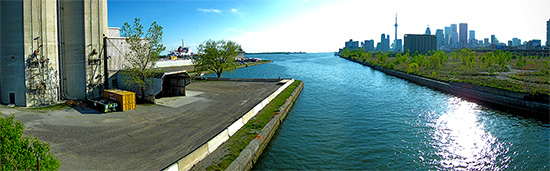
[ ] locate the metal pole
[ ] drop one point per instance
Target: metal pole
(38, 162)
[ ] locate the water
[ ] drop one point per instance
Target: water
(350, 116)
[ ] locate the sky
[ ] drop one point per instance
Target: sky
(324, 25)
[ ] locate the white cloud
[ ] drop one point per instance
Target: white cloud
(234, 10)
(210, 10)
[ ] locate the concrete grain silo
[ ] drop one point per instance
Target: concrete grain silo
(82, 25)
(29, 52)
(51, 50)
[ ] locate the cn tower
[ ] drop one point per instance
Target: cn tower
(395, 39)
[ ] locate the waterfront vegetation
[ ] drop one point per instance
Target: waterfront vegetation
(20, 152)
(497, 69)
(251, 130)
(217, 56)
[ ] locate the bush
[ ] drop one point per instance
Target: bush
(18, 152)
(413, 67)
(491, 70)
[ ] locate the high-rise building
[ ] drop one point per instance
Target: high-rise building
(352, 44)
(384, 44)
(448, 33)
(494, 39)
(428, 31)
(486, 41)
(420, 42)
(368, 45)
(509, 43)
(516, 42)
(398, 45)
(440, 38)
(548, 33)
(463, 34)
(454, 36)
(472, 37)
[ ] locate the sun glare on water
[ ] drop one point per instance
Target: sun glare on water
(461, 141)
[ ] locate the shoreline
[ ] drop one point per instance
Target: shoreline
(248, 157)
(187, 161)
(490, 97)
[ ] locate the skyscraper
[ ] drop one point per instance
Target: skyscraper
(494, 39)
(516, 41)
(472, 38)
(448, 34)
(548, 33)
(428, 31)
(463, 34)
(398, 45)
(440, 38)
(454, 36)
(384, 44)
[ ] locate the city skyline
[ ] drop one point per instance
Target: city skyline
(322, 26)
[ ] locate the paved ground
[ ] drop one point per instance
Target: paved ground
(148, 138)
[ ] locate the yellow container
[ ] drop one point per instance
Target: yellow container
(125, 99)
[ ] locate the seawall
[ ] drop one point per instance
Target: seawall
(251, 153)
(486, 95)
(190, 159)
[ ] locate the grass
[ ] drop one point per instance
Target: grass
(242, 138)
(525, 74)
(51, 107)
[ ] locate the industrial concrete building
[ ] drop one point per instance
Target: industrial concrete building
(51, 50)
(368, 45)
(420, 42)
(352, 44)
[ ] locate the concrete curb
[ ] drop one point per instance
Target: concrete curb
(504, 98)
(187, 162)
(251, 153)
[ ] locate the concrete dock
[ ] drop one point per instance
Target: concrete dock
(148, 138)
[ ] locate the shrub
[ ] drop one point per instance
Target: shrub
(413, 67)
(19, 152)
(491, 70)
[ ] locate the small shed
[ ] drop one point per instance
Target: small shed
(169, 83)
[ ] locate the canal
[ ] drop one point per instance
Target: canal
(350, 116)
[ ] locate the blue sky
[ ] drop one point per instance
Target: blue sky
(324, 25)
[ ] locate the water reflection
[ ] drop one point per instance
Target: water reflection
(461, 141)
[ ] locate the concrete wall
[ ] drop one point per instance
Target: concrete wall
(73, 74)
(31, 78)
(502, 98)
(95, 29)
(187, 162)
(173, 63)
(13, 57)
(82, 26)
(251, 153)
(154, 87)
(46, 47)
(40, 35)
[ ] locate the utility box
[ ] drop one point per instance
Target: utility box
(125, 99)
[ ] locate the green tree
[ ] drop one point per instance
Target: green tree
(145, 49)
(434, 62)
(413, 67)
(217, 56)
(18, 152)
(489, 59)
